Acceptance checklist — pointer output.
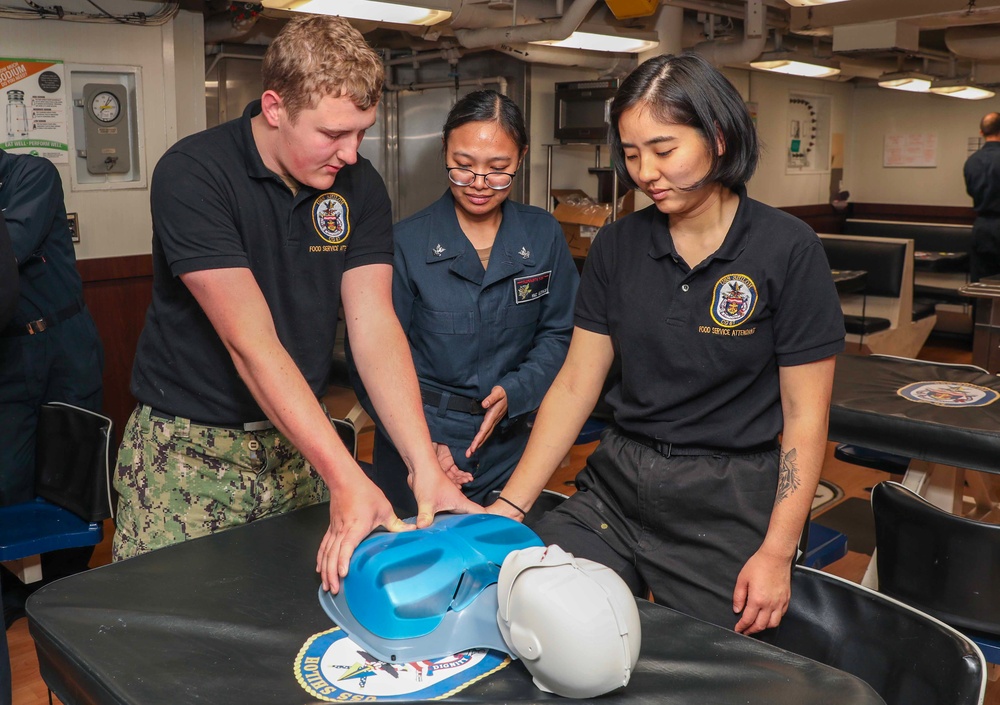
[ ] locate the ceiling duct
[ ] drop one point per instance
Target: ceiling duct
(876, 36)
(981, 43)
(720, 52)
(925, 14)
(522, 34)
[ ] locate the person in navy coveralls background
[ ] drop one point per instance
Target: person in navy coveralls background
(8, 301)
(484, 288)
(722, 321)
(982, 182)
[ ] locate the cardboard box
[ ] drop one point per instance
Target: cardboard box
(581, 217)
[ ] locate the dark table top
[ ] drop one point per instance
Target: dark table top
(940, 261)
(928, 411)
(849, 281)
(221, 619)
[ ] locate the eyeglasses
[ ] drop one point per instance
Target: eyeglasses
(496, 180)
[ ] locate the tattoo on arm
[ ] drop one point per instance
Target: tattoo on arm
(788, 475)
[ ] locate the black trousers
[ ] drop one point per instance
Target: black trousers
(680, 527)
(985, 259)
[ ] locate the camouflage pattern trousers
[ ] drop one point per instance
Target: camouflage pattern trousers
(178, 480)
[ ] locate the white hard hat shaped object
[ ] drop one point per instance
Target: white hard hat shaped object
(573, 622)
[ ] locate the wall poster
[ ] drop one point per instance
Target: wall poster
(33, 92)
(916, 149)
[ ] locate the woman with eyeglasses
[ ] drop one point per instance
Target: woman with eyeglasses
(484, 288)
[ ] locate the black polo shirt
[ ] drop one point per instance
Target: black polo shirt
(982, 178)
(216, 206)
(697, 351)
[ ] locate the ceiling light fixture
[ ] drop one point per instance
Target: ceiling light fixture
(789, 62)
(910, 81)
(960, 88)
(811, 3)
(596, 41)
(364, 10)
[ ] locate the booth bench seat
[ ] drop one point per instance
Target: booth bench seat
(941, 264)
(883, 318)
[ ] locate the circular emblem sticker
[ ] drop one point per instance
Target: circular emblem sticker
(330, 216)
(333, 668)
(733, 300)
(948, 394)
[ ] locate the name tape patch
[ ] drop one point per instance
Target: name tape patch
(531, 287)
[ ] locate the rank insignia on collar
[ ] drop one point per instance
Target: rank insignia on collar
(525, 254)
(438, 250)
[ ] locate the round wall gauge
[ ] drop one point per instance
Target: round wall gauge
(105, 106)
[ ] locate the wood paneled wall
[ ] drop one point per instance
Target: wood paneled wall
(822, 217)
(117, 290)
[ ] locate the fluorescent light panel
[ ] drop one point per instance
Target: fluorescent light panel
(811, 3)
(601, 42)
(958, 88)
(907, 81)
(789, 63)
(364, 10)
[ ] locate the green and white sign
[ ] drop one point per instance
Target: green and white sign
(35, 114)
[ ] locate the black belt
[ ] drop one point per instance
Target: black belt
(249, 426)
(456, 402)
(33, 327)
(669, 449)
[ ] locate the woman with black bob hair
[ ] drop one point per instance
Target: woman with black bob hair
(484, 289)
(718, 322)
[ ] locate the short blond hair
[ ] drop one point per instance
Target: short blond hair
(318, 55)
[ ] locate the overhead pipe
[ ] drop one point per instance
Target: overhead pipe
(609, 65)
(669, 28)
(522, 34)
(428, 85)
(228, 27)
(721, 53)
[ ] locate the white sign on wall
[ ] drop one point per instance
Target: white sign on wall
(33, 92)
(914, 149)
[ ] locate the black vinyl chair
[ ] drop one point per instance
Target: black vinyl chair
(943, 564)
(906, 656)
(72, 488)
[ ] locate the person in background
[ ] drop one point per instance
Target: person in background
(49, 349)
(484, 290)
(9, 281)
(8, 302)
(261, 227)
(723, 322)
(982, 182)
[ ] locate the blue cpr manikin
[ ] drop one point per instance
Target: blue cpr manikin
(427, 593)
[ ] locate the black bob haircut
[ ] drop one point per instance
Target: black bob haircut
(489, 106)
(685, 89)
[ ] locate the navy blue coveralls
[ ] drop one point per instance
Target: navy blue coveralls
(471, 329)
(982, 182)
(49, 351)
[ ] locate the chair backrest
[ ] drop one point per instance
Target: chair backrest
(906, 656)
(885, 261)
(72, 458)
(943, 564)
